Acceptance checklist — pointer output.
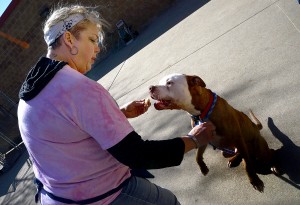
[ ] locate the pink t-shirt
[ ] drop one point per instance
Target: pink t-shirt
(67, 128)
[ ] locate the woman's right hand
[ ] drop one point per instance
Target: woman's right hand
(204, 132)
(135, 108)
(200, 135)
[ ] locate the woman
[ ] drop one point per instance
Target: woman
(81, 144)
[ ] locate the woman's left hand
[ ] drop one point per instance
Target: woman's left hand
(135, 108)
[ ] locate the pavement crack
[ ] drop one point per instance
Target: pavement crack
(129, 54)
(282, 10)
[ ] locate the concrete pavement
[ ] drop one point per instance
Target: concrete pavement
(246, 51)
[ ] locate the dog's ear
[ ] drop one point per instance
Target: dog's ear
(195, 81)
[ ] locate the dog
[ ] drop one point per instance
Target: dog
(238, 137)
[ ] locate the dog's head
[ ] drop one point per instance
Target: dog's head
(177, 91)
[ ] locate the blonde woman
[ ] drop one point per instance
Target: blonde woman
(81, 143)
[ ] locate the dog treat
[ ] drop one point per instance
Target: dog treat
(147, 102)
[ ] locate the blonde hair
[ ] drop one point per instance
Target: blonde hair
(91, 16)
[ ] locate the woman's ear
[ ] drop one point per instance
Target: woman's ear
(68, 39)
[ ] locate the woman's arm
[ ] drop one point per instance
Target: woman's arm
(136, 153)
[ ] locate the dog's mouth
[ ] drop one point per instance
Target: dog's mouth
(162, 104)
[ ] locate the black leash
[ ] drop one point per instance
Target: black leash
(39, 187)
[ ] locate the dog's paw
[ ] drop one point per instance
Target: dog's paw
(258, 184)
(204, 169)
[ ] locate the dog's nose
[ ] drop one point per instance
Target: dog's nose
(151, 88)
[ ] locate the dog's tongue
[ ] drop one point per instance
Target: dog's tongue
(158, 105)
(161, 105)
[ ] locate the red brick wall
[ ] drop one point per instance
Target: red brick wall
(25, 23)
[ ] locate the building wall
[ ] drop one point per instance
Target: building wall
(26, 22)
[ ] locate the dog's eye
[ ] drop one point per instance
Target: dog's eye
(169, 83)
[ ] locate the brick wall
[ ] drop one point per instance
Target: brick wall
(25, 23)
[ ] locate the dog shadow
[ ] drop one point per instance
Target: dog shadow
(287, 157)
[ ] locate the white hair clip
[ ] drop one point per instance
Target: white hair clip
(61, 27)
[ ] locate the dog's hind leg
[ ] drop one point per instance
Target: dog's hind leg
(264, 157)
(199, 159)
(256, 182)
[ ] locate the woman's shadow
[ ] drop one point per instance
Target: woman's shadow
(287, 157)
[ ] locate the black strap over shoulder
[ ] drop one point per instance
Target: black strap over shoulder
(38, 77)
(39, 186)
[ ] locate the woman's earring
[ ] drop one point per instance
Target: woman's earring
(74, 50)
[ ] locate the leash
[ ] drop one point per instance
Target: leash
(40, 187)
(204, 116)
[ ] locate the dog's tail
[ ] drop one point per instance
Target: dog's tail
(255, 120)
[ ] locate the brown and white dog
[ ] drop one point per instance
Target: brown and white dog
(236, 132)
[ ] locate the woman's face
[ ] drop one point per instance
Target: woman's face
(88, 48)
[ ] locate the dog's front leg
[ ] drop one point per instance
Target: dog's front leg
(199, 159)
